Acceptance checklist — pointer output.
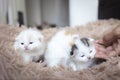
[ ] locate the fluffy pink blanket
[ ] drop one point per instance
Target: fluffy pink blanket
(13, 68)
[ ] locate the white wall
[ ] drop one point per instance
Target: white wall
(52, 11)
(13, 7)
(83, 11)
(62, 12)
(33, 8)
(55, 12)
(3, 11)
(48, 10)
(21, 7)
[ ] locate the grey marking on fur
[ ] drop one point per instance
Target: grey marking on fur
(85, 41)
(73, 49)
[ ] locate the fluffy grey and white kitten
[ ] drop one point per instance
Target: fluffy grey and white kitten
(30, 44)
(59, 48)
(82, 54)
(69, 50)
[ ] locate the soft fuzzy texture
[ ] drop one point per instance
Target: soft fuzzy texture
(12, 67)
(58, 48)
(30, 44)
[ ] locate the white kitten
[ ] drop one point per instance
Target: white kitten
(30, 44)
(83, 54)
(59, 47)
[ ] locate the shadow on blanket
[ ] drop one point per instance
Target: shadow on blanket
(12, 67)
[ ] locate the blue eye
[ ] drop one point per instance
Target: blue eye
(22, 43)
(30, 42)
(90, 51)
(82, 55)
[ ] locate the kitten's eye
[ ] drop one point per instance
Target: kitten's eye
(30, 42)
(90, 51)
(22, 43)
(82, 55)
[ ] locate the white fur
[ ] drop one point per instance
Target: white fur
(58, 49)
(33, 44)
(76, 61)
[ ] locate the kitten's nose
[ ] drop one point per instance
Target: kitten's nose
(26, 47)
(89, 58)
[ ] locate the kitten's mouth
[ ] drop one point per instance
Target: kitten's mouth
(89, 59)
(26, 49)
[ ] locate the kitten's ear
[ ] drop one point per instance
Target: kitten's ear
(15, 46)
(91, 40)
(41, 39)
(87, 41)
(16, 39)
(75, 36)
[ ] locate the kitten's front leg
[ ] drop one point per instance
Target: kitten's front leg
(73, 66)
(27, 58)
(38, 58)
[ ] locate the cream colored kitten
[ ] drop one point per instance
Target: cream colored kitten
(59, 47)
(82, 55)
(30, 44)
